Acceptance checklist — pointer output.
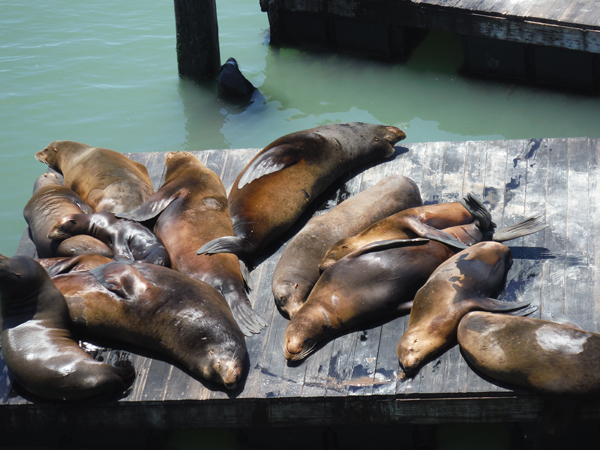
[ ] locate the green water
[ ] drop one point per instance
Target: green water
(104, 73)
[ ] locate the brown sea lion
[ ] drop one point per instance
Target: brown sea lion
(465, 282)
(377, 282)
(421, 221)
(106, 180)
(192, 209)
(38, 347)
(50, 202)
(279, 183)
(297, 270)
(553, 359)
(159, 309)
(67, 264)
(129, 240)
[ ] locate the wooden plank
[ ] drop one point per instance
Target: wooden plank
(572, 12)
(541, 9)
(578, 271)
(593, 290)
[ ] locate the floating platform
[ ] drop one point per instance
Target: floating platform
(548, 41)
(355, 380)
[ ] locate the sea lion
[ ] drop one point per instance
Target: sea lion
(105, 179)
(297, 270)
(192, 209)
(553, 359)
(49, 203)
(128, 240)
(159, 309)
(38, 347)
(279, 183)
(465, 282)
(376, 282)
(231, 83)
(421, 221)
(81, 263)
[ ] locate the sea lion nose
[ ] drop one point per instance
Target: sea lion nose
(394, 134)
(231, 373)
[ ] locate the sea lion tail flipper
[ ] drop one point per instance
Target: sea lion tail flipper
(152, 207)
(528, 226)
(247, 319)
(272, 160)
(385, 245)
(226, 244)
(120, 277)
(478, 210)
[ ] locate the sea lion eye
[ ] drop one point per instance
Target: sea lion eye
(377, 139)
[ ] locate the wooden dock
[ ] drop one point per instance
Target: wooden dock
(548, 41)
(355, 379)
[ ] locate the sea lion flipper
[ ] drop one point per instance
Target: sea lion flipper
(495, 305)
(226, 244)
(387, 244)
(152, 207)
(429, 232)
(247, 319)
(528, 226)
(121, 278)
(478, 210)
(271, 161)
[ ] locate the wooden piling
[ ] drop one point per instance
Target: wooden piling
(198, 54)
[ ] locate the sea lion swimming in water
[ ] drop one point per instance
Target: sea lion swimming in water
(128, 240)
(192, 210)
(297, 270)
(51, 201)
(232, 84)
(279, 183)
(159, 309)
(465, 282)
(37, 343)
(106, 180)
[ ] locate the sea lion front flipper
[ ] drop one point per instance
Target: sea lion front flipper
(495, 305)
(429, 232)
(385, 245)
(63, 266)
(121, 278)
(226, 244)
(153, 206)
(270, 161)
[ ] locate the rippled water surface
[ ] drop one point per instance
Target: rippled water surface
(105, 73)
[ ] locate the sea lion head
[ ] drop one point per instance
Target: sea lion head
(53, 153)
(64, 228)
(288, 298)
(224, 364)
(46, 179)
(302, 335)
(19, 275)
(386, 136)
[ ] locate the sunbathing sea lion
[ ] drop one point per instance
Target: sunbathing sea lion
(37, 343)
(106, 180)
(51, 201)
(67, 264)
(128, 240)
(297, 270)
(421, 221)
(159, 309)
(279, 183)
(192, 210)
(465, 282)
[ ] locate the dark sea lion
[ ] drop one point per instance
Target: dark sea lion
(38, 347)
(377, 282)
(297, 270)
(81, 263)
(128, 240)
(50, 202)
(105, 179)
(279, 183)
(465, 282)
(231, 84)
(553, 359)
(192, 210)
(421, 221)
(159, 309)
